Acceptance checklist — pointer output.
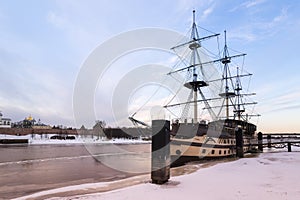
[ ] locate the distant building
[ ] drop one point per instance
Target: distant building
(30, 122)
(4, 122)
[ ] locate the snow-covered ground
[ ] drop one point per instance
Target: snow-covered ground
(45, 139)
(268, 176)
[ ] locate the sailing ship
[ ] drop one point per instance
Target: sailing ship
(213, 85)
(216, 138)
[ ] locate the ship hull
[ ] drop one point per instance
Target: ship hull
(204, 147)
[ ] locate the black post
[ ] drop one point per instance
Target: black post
(269, 140)
(160, 148)
(289, 147)
(239, 142)
(260, 138)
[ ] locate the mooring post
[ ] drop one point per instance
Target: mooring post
(269, 140)
(289, 147)
(239, 142)
(160, 151)
(260, 138)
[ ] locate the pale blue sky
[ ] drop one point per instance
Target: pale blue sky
(44, 43)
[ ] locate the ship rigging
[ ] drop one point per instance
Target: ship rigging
(226, 99)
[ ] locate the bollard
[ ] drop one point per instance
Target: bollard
(160, 151)
(260, 138)
(289, 147)
(269, 140)
(239, 142)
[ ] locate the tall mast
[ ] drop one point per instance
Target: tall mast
(239, 104)
(195, 84)
(194, 43)
(227, 77)
(194, 35)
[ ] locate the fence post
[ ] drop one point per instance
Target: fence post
(269, 140)
(160, 151)
(289, 147)
(239, 141)
(260, 138)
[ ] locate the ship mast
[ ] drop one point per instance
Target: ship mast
(195, 63)
(232, 90)
(194, 47)
(226, 77)
(195, 84)
(239, 103)
(231, 95)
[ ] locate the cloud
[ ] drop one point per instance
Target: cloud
(247, 5)
(37, 91)
(261, 29)
(30, 86)
(207, 12)
(56, 20)
(286, 107)
(278, 97)
(283, 16)
(75, 32)
(250, 4)
(244, 33)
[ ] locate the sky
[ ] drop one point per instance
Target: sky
(43, 45)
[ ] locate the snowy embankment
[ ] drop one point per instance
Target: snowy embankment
(38, 139)
(268, 176)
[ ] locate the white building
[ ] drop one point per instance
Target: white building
(4, 122)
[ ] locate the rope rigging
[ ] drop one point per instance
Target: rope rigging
(186, 108)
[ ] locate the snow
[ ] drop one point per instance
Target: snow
(272, 175)
(38, 139)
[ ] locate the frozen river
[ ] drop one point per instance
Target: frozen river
(26, 169)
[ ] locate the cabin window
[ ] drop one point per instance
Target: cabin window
(224, 151)
(228, 151)
(220, 151)
(224, 141)
(203, 150)
(212, 151)
(178, 152)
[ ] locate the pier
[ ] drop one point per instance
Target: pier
(277, 141)
(283, 140)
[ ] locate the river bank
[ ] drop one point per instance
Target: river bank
(271, 175)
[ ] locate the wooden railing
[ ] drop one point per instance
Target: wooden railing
(278, 141)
